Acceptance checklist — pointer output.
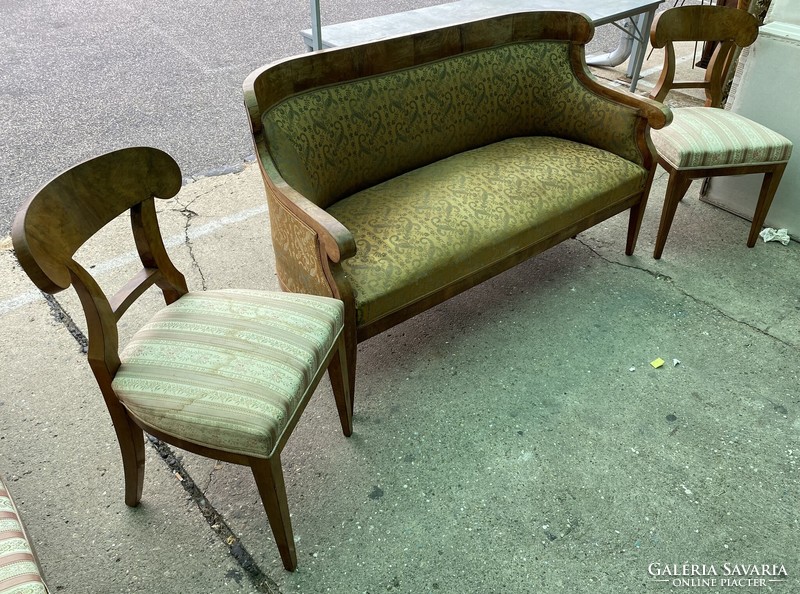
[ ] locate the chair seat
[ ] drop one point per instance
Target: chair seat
(228, 369)
(19, 571)
(703, 137)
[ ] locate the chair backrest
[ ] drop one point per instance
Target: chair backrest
(731, 28)
(56, 221)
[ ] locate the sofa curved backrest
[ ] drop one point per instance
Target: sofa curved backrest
(330, 134)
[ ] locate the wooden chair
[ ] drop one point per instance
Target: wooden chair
(224, 374)
(710, 141)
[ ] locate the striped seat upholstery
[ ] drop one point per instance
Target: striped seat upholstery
(701, 137)
(227, 369)
(19, 570)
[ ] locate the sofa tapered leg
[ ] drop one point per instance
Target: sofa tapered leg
(637, 214)
(634, 224)
(350, 335)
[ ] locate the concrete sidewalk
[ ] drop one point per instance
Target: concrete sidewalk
(513, 439)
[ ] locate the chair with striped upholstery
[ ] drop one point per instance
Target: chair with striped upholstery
(709, 141)
(225, 374)
(20, 572)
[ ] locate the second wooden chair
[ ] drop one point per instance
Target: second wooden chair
(710, 141)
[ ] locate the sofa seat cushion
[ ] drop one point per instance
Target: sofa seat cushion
(428, 228)
(228, 369)
(701, 137)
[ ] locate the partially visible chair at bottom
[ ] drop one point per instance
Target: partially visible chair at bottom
(225, 374)
(20, 571)
(710, 141)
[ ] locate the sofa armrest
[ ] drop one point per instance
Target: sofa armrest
(309, 243)
(617, 120)
(334, 237)
(657, 114)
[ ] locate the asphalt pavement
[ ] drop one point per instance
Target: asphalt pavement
(82, 78)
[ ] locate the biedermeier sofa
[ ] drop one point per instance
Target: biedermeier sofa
(404, 171)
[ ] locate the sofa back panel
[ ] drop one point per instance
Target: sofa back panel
(335, 140)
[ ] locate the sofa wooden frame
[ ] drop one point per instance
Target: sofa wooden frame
(332, 241)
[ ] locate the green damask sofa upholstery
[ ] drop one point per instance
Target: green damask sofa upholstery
(404, 171)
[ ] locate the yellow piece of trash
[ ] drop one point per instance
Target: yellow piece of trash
(657, 363)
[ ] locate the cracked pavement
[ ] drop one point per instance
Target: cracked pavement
(190, 214)
(697, 298)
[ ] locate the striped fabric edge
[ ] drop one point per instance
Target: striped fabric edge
(19, 573)
(19, 569)
(724, 165)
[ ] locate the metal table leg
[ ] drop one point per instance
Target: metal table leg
(642, 29)
(316, 26)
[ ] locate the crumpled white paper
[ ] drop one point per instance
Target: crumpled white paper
(770, 234)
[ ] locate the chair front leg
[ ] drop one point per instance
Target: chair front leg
(340, 384)
(269, 480)
(130, 438)
(678, 183)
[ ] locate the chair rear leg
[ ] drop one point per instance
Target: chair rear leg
(676, 189)
(340, 383)
(269, 480)
(768, 188)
